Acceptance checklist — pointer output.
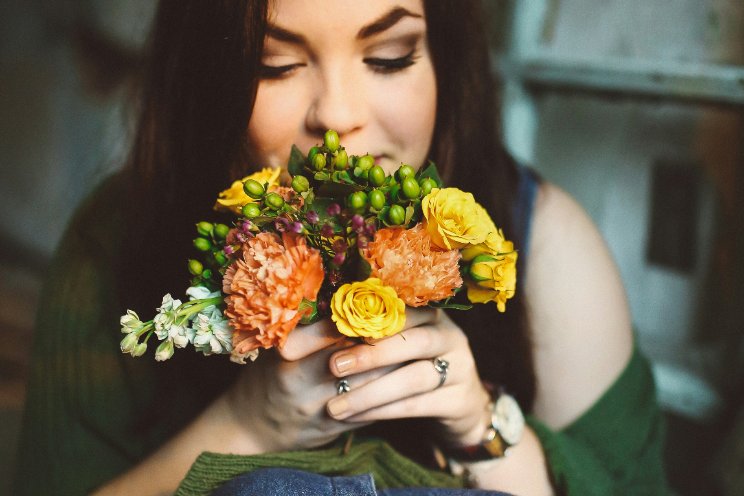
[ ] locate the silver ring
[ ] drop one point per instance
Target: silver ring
(343, 386)
(440, 365)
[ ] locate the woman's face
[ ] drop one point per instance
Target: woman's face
(361, 68)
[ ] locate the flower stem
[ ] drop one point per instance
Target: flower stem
(193, 307)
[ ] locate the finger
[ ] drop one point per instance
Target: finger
(417, 343)
(415, 317)
(413, 379)
(305, 340)
(439, 404)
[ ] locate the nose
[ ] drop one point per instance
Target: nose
(338, 103)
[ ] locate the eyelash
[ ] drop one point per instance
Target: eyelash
(378, 65)
(278, 72)
(388, 66)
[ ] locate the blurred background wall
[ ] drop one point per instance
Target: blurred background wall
(633, 106)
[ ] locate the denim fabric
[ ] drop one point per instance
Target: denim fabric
(289, 482)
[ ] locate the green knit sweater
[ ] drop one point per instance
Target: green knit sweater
(93, 412)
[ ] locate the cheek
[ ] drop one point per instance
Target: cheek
(275, 123)
(410, 115)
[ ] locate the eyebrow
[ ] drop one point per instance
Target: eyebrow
(385, 22)
(382, 24)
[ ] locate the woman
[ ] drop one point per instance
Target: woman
(232, 85)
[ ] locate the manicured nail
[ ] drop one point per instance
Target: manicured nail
(345, 362)
(337, 406)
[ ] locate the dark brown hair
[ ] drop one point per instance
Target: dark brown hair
(197, 95)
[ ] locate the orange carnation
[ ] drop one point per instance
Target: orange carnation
(265, 287)
(408, 261)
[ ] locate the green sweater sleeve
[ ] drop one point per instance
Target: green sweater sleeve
(616, 446)
(65, 446)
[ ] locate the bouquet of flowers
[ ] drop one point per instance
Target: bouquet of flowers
(339, 236)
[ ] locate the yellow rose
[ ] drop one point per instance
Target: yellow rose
(454, 219)
(368, 309)
(493, 276)
(234, 198)
(495, 243)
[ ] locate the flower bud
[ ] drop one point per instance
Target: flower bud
(221, 230)
(331, 141)
(339, 258)
(300, 184)
(195, 267)
(405, 171)
(376, 176)
(251, 210)
(366, 162)
(274, 201)
(164, 351)
(312, 153)
(326, 230)
(427, 184)
(220, 257)
(254, 189)
(333, 209)
(202, 244)
(319, 162)
(206, 274)
(357, 223)
(357, 200)
(129, 342)
(376, 199)
(204, 228)
(312, 217)
(480, 268)
(281, 224)
(410, 188)
(397, 215)
(341, 160)
(139, 350)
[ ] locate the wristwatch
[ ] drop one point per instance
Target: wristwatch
(504, 431)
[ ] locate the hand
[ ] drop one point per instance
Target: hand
(395, 378)
(281, 397)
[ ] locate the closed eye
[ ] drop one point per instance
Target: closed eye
(278, 72)
(387, 66)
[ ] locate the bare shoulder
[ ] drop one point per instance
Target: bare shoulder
(578, 309)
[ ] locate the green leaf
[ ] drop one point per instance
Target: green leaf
(431, 172)
(296, 161)
(409, 214)
(364, 269)
(445, 305)
(312, 315)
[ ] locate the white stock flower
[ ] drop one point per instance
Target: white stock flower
(130, 322)
(129, 343)
(164, 351)
(213, 334)
(166, 316)
(166, 327)
(201, 293)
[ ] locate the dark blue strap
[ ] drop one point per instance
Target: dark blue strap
(529, 182)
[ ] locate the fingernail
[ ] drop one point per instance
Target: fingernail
(345, 362)
(337, 406)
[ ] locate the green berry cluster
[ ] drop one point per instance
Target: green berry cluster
(392, 199)
(210, 243)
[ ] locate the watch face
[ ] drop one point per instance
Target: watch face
(508, 420)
